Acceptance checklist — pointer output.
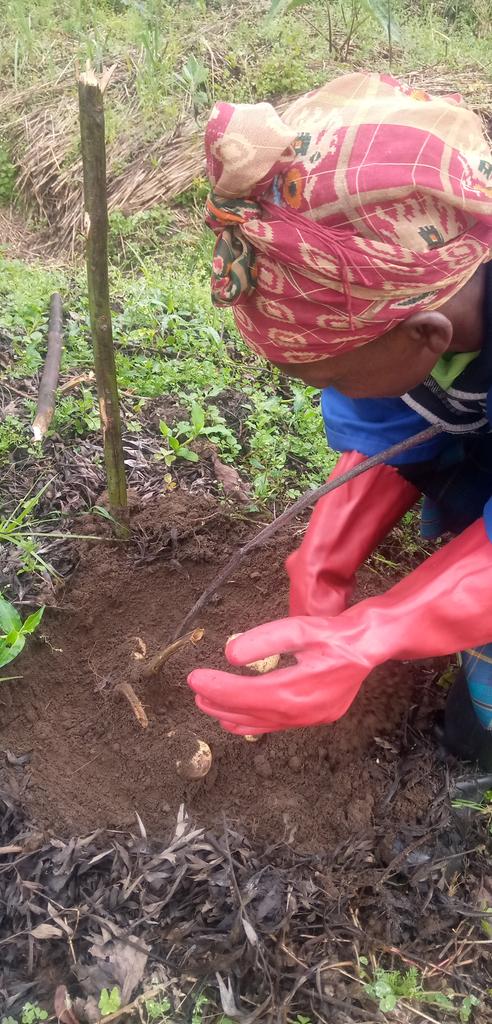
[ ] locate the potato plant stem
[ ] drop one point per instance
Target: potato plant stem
(306, 500)
(92, 136)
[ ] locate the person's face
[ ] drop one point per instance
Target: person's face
(387, 367)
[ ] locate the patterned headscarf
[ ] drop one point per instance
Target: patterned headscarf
(365, 202)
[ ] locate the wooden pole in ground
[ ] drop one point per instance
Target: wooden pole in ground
(92, 136)
(51, 370)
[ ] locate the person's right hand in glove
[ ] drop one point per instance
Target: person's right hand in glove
(442, 607)
(345, 527)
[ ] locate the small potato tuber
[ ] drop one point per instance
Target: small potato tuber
(264, 664)
(261, 666)
(197, 764)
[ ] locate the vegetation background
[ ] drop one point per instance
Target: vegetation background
(174, 351)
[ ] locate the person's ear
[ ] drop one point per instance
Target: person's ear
(431, 330)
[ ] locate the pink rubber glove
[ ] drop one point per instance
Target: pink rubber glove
(344, 529)
(442, 607)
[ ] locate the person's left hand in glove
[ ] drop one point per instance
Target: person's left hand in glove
(442, 607)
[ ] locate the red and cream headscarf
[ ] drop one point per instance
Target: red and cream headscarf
(364, 202)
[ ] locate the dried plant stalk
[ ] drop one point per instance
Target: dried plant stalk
(136, 705)
(51, 370)
(151, 667)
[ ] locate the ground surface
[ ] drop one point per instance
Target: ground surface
(92, 765)
(294, 858)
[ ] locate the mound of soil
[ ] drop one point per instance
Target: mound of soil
(91, 764)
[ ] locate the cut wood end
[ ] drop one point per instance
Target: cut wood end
(89, 77)
(38, 434)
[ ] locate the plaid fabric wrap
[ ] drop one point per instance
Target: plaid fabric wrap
(477, 666)
(366, 201)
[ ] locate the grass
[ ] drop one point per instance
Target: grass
(169, 341)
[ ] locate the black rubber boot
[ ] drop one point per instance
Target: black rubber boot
(464, 736)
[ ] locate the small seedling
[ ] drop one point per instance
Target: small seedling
(193, 81)
(109, 1000)
(389, 987)
(13, 633)
(31, 1014)
(185, 432)
(157, 1009)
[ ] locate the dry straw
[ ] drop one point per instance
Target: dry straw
(41, 125)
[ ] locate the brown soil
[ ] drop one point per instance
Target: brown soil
(91, 764)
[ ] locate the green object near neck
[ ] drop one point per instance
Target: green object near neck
(449, 367)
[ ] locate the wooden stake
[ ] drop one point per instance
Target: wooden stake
(51, 370)
(91, 112)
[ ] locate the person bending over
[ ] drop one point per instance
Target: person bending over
(354, 235)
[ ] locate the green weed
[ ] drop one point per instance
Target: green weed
(157, 1009)
(134, 238)
(193, 81)
(170, 341)
(31, 1014)
(13, 634)
(183, 434)
(12, 436)
(388, 988)
(109, 1000)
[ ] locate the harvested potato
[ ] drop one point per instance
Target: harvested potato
(197, 764)
(261, 666)
(264, 664)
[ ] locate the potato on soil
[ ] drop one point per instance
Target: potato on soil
(193, 757)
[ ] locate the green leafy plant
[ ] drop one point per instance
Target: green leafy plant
(13, 633)
(193, 80)
(12, 436)
(109, 1000)
(31, 1013)
(21, 529)
(185, 432)
(466, 1008)
(388, 988)
(157, 1009)
(357, 11)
